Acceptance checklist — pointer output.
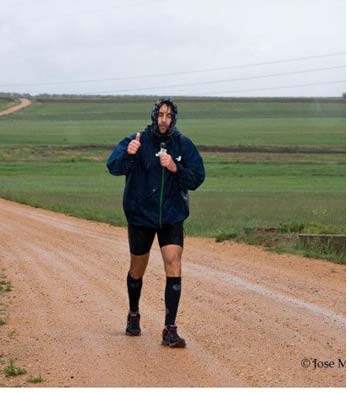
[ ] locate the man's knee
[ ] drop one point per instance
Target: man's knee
(173, 267)
(138, 264)
(174, 262)
(136, 274)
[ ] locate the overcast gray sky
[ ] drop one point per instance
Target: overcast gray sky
(204, 47)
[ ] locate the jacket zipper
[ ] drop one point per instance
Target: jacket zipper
(161, 195)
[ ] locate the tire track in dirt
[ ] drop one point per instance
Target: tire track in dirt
(244, 326)
(339, 320)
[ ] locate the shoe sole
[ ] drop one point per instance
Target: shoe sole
(179, 344)
(133, 333)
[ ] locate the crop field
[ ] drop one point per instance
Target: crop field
(53, 154)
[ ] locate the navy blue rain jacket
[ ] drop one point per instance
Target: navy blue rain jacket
(154, 196)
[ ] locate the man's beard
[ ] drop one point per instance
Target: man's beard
(163, 129)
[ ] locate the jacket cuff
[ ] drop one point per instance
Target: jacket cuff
(179, 168)
(129, 157)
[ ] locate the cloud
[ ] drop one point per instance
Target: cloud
(62, 41)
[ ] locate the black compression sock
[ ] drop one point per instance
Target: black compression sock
(134, 292)
(172, 298)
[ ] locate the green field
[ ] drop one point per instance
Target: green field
(53, 155)
(207, 123)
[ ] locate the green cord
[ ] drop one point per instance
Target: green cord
(161, 195)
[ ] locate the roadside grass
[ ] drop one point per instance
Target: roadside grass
(235, 195)
(5, 286)
(285, 239)
(37, 379)
(12, 370)
(314, 252)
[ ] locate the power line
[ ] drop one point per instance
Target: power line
(159, 75)
(225, 80)
(278, 87)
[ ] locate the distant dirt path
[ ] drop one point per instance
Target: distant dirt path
(24, 102)
(249, 317)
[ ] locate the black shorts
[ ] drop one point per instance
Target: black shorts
(141, 238)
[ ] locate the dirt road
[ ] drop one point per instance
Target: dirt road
(249, 317)
(24, 102)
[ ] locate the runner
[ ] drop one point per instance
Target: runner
(160, 165)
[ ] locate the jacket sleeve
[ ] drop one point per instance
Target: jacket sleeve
(191, 172)
(120, 162)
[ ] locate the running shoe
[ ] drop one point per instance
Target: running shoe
(171, 338)
(133, 324)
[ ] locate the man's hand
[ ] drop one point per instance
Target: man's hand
(134, 145)
(167, 162)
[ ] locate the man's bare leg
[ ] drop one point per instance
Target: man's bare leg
(138, 264)
(172, 255)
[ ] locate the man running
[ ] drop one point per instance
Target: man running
(160, 165)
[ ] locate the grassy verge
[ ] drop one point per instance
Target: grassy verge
(238, 193)
(285, 239)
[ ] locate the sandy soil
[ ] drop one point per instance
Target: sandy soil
(24, 102)
(249, 317)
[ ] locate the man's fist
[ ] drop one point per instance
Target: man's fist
(167, 162)
(134, 145)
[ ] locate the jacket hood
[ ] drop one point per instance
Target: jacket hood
(154, 116)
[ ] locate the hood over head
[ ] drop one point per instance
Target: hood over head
(154, 116)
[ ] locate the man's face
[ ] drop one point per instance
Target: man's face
(164, 118)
